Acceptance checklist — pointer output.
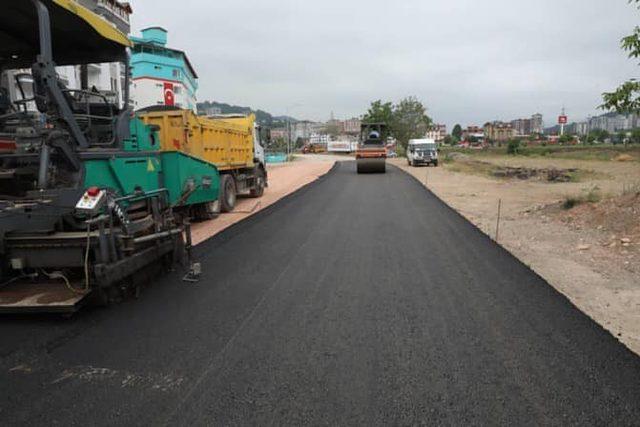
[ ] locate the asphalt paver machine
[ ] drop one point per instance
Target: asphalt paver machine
(88, 202)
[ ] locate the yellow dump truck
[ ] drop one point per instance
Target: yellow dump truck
(234, 143)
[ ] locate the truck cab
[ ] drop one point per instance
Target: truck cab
(422, 152)
(261, 138)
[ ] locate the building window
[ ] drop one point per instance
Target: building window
(176, 74)
(177, 90)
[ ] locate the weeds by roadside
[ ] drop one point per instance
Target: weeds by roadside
(457, 162)
(631, 188)
(588, 195)
(604, 152)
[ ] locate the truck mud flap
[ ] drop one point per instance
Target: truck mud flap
(20, 297)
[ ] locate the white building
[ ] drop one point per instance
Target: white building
(437, 133)
(105, 79)
(537, 124)
(319, 139)
(582, 128)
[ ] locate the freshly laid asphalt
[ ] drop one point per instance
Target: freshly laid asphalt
(359, 300)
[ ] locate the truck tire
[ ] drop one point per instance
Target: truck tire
(258, 189)
(227, 193)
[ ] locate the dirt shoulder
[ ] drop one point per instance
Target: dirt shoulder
(590, 252)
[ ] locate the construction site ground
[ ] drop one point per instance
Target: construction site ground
(582, 236)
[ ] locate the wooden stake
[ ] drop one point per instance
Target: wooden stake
(498, 221)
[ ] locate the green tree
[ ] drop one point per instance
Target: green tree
(379, 112)
(597, 135)
(410, 120)
(626, 98)
(513, 147)
(620, 138)
(565, 138)
(277, 144)
(405, 120)
(635, 136)
(450, 140)
(457, 132)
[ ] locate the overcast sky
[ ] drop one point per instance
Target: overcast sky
(468, 61)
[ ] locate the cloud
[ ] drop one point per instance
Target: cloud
(469, 61)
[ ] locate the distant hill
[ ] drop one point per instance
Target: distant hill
(263, 117)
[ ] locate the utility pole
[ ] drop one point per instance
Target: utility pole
(289, 137)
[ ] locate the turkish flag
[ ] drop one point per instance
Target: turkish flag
(168, 94)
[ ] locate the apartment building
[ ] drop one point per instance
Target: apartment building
(161, 75)
(499, 131)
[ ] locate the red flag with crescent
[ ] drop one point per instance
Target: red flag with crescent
(168, 94)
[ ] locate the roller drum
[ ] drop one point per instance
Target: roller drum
(371, 165)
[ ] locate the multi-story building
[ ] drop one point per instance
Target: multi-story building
(582, 128)
(499, 131)
(522, 127)
(472, 132)
(301, 130)
(114, 11)
(612, 122)
(106, 79)
(161, 75)
(279, 133)
(352, 126)
(537, 124)
(322, 139)
(437, 133)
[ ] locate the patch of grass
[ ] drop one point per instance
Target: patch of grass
(603, 152)
(631, 188)
(492, 170)
(589, 195)
(472, 167)
(581, 175)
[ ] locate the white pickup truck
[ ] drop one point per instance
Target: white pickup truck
(422, 152)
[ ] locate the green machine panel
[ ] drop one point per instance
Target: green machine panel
(189, 180)
(142, 167)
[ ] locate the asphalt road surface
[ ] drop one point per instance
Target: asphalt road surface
(360, 300)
